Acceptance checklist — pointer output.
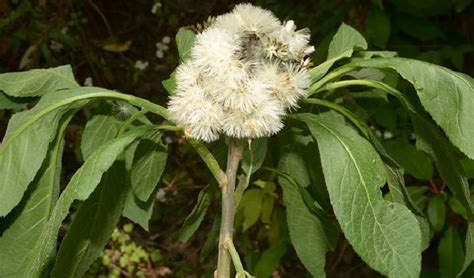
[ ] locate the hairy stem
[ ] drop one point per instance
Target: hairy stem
(234, 156)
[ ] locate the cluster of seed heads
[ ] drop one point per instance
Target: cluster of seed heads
(246, 70)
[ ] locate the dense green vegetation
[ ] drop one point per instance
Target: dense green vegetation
(129, 46)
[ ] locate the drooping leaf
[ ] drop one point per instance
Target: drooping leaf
(437, 213)
(29, 134)
(37, 82)
(450, 253)
(25, 147)
(342, 46)
(92, 225)
(447, 95)
(386, 235)
(184, 41)
(194, 219)
(306, 232)
(98, 130)
(270, 258)
(24, 225)
(148, 165)
(137, 210)
(81, 185)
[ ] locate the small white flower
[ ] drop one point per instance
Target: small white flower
(141, 65)
(166, 39)
(246, 70)
(160, 54)
(88, 82)
(161, 195)
(155, 7)
(387, 134)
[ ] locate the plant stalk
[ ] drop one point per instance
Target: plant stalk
(234, 156)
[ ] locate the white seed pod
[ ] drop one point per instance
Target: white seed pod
(245, 71)
(263, 122)
(201, 118)
(214, 50)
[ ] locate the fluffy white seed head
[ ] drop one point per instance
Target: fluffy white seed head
(246, 69)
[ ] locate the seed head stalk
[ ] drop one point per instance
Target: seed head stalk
(234, 156)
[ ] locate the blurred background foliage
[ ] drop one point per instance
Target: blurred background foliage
(129, 46)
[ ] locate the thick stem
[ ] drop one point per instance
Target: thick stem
(234, 156)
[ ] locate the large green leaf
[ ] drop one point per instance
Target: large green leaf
(149, 163)
(21, 229)
(25, 146)
(447, 95)
(306, 231)
(92, 225)
(386, 235)
(29, 134)
(342, 46)
(82, 184)
(37, 82)
(98, 130)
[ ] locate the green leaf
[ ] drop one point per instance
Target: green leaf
(306, 230)
(469, 246)
(98, 130)
(431, 140)
(185, 41)
(37, 82)
(450, 253)
(149, 163)
(194, 219)
(251, 207)
(25, 147)
(137, 210)
(345, 41)
(377, 27)
(342, 46)
(270, 258)
(414, 162)
(256, 158)
(447, 95)
(468, 167)
(81, 185)
(437, 213)
(92, 225)
(170, 84)
(24, 225)
(7, 102)
(354, 174)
